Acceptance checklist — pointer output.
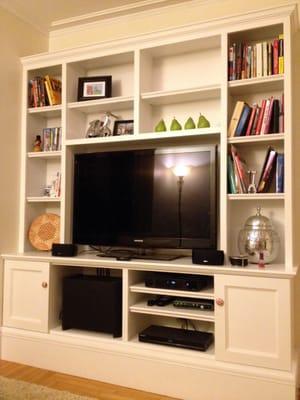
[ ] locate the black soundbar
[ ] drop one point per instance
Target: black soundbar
(184, 338)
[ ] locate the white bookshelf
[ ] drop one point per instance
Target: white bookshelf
(181, 73)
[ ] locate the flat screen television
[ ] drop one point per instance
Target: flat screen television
(154, 198)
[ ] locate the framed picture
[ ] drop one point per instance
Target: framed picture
(123, 127)
(94, 87)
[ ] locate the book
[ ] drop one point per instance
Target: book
(240, 170)
(257, 113)
(235, 117)
(267, 172)
(275, 56)
(281, 115)
(251, 119)
(280, 173)
(264, 59)
(231, 176)
(243, 121)
(274, 122)
(260, 117)
(281, 55)
(259, 62)
(267, 116)
(53, 90)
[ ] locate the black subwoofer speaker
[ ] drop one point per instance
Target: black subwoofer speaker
(92, 303)
(208, 257)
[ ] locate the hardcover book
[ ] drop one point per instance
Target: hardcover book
(267, 171)
(280, 173)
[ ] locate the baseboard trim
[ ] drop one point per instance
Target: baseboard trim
(129, 364)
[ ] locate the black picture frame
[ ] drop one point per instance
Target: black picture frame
(94, 87)
(123, 127)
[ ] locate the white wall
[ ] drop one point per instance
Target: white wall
(16, 39)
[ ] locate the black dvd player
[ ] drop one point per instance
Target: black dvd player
(202, 304)
(177, 281)
(177, 337)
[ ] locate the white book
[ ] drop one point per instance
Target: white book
(265, 58)
(259, 60)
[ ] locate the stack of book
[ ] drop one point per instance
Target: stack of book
(44, 91)
(268, 117)
(272, 169)
(256, 60)
(51, 139)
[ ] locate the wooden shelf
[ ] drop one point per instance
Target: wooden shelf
(269, 138)
(44, 154)
(184, 95)
(256, 196)
(42, 199)
(203, 294)
(103, 105)
(171, 311)
(47, 111)
(151, 136)
(256, 85)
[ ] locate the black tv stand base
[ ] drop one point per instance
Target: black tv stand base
(127, 255)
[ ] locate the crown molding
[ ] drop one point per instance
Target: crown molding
(133, 16)
(111, 12)
(189, 31)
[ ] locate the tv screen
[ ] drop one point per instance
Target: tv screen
(160, 197)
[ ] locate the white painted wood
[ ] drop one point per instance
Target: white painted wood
(25, 302)
(170, 311)
(206, 293)
(179, 72)
(254, 324)
(270, 137)
(44, 199)
(44, 154)
(175, 372)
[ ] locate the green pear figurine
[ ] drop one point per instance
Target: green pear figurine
(203, 122)
(190, 124)
(161, 126)
(175, 125)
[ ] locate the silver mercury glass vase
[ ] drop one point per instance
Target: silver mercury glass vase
(258, 237)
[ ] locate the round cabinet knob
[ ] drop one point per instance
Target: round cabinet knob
(44, 284)
(220, 302)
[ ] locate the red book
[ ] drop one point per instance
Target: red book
(275, 56)
(267, 116)
(251, 120)
(257, 112)
(267, 171)
(260, 117)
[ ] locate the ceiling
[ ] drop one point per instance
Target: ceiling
(48, 15)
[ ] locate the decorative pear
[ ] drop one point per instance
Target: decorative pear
(203, 122)
(161, 126)
(175, 125)
(190, 124)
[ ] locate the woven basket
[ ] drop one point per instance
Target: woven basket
(44, 231)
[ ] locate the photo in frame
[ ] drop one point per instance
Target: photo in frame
(123, 127)
(94, 87)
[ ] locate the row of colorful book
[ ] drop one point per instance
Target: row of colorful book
(268, 117)
(44, 91)
(256, 60)
(241, 180)
(51, 139)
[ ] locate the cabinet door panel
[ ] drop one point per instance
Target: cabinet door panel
(253, 326)
(26, 295)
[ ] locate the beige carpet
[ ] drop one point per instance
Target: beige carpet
(11, 389)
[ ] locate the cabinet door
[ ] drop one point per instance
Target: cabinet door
(253, 321)
(25, 303)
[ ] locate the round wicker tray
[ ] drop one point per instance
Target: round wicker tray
(44, 231)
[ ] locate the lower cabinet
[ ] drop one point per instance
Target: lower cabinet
(26, 295)
(253, 321)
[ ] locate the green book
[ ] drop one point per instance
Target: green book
(231, 177)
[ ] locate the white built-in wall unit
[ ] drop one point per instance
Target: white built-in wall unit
(179, 72)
